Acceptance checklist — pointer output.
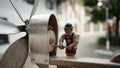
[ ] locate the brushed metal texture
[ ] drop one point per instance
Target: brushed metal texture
(16, 54)
(43, 32)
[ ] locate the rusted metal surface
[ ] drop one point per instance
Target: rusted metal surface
(16, 55)
(116, 58)
(39, 28)
(83, 62)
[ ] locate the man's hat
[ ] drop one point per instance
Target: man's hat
(68, 26)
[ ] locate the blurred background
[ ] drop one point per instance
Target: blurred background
(96, 21)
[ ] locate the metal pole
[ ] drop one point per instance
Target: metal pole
(107, 37)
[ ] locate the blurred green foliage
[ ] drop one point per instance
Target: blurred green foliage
(113, 40)
(102, 40)
(98, 14)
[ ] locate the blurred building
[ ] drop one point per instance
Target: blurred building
(71, 11)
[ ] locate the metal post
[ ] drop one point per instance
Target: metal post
(107, 37)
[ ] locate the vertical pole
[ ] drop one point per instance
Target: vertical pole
(107, 37)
